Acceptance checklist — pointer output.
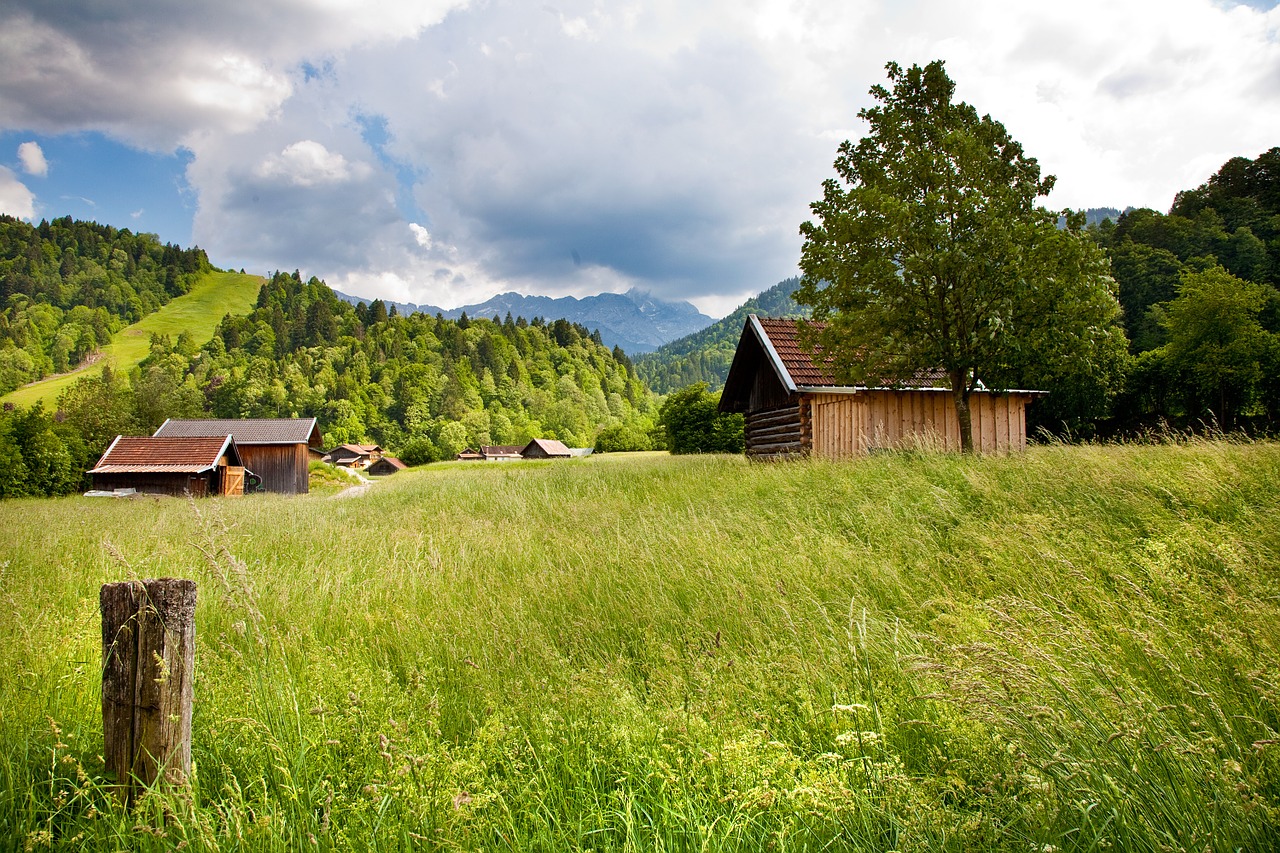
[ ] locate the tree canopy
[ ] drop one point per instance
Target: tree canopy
(929, 251)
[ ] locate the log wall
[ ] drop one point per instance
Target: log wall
(776, 433)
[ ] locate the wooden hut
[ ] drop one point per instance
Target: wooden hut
(794, 407)
(202, 466)
(501, 452)
(354, 455)
(275, 449)
(385, 466)
(545, 448)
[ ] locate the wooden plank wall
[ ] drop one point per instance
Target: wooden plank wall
(282, 467)
(847, 425)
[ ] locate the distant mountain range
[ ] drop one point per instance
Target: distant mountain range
(636, 321)
(705, 355)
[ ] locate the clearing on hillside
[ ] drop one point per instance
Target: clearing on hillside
(198, 312)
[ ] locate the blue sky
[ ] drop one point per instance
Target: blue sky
(91, 176)
(442, 151)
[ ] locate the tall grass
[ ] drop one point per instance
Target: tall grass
(1071, 649)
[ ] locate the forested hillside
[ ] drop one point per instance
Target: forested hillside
(1201, 308)
(705, 356)
(423, 387)
(66, 286)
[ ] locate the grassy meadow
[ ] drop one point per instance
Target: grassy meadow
(1076, 648)
(198, 311)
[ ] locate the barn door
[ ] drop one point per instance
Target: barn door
(233, 480)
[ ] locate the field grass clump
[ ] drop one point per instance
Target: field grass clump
(1071, 649)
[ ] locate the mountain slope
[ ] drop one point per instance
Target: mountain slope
(198, 312)
(636, 321)
(705, 355)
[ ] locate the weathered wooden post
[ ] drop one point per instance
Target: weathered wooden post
(148, 660)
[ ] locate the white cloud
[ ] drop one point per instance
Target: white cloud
(441, 152)
(32, 158)
(153, 73)
(308, 164)
(420, 235)
(15, 198)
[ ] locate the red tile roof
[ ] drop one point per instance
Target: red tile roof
(813, 369)
(151, 455)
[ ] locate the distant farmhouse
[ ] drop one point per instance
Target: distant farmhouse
(354, 455)
(545, 448)
(275, 449)
(385, 466)
(794, 407)
(539, 448)
(203, 466)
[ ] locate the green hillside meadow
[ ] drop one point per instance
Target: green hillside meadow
(198, 312)
(1075, 648)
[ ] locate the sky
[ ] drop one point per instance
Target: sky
(443, 151)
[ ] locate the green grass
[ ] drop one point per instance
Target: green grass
(199, 311)
(1071, 649)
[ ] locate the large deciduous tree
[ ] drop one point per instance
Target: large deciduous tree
(929, 251)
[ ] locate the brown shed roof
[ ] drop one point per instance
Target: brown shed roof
(167, 455)
(550, 446)
(247, 430)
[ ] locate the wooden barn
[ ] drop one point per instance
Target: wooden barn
(545, 448)
(203, 466)
(386, 466)
(354, 455)
(501, 452)
(275, 449)
(794, 407)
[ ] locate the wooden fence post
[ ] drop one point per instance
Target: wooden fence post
(148, 660)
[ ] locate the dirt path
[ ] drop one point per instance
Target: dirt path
(359, 488)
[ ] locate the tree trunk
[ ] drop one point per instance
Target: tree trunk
(960, 391)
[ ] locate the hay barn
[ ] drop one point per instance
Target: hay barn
(275, 449)
(794, 407)
(545, 448)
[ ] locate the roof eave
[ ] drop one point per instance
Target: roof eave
(779, 367)
(859, 389)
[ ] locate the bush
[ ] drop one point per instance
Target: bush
(621, 438)
(694, 423)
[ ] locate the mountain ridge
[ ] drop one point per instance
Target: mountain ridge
(636, 321)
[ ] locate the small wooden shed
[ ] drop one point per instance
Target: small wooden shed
(545, 448)
(355, 455)
(501, 452)
(386, 466)
(275, 449)
(793, 405)
(171, 466)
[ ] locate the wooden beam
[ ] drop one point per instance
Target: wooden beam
(148, 661)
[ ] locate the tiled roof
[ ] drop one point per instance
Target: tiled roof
(813, 370)
(247, 430)
(151, 455)
(502, 449)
